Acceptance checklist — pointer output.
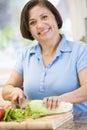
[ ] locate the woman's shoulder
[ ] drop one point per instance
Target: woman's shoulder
(73, 45)
(78, 45)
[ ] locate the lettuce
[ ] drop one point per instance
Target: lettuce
(34, 109)
(14, 114)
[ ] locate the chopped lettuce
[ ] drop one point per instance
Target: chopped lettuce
(34, 109)
(14, 114)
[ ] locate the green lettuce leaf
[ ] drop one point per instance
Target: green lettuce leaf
(14, 114)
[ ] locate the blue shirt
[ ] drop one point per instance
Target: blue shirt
(59, 77)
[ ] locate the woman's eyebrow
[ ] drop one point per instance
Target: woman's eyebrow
(43, 14)
(31, 19)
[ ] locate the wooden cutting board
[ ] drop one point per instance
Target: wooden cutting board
(47, 122)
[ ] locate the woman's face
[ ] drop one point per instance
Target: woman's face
(42, 23)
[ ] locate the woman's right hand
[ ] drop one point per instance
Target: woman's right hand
(17, 96)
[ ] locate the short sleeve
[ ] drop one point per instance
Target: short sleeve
(82, 57)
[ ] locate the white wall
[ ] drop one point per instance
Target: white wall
(78, 11)
(73, 13)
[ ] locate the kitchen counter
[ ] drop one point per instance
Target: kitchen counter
(78, 122)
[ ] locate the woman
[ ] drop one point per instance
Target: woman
(54, 69)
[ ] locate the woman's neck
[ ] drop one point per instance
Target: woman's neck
(49, 50)
(49, 47)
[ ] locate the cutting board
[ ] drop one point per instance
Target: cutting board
(47, 122)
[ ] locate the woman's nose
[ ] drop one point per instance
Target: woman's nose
(39, 24)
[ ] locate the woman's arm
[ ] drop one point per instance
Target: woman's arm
(12, 90)
(76, 96)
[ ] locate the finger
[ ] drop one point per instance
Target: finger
(45, 101)
(21, 99)
(14, 99)
(50, 102)
(55, 103)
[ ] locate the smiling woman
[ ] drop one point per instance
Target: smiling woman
(55, 69)
(25, 18)
(43, 25)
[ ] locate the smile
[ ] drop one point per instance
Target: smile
(44, 31)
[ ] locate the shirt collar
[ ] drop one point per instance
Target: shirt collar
(64, 46)
(36, 49)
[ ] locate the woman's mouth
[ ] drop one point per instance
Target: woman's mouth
(44, 31)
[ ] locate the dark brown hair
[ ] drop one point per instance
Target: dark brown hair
(24, 26)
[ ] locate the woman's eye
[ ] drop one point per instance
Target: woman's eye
(32, 23)
(44, 17)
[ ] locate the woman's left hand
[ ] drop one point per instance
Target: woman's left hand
(51, 102)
